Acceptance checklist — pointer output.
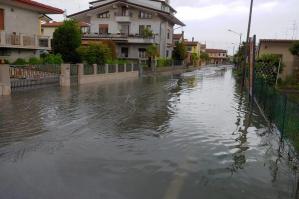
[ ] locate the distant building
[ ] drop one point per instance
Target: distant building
(127, 22)
(20, 29)
(49, 28)
(217, 56)
(178, 37)
(281, 47)
(193, 47)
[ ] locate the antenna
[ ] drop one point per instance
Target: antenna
(294, 29)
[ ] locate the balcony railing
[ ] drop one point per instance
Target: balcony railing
(19, 40)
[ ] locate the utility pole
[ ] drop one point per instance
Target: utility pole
(247, 42)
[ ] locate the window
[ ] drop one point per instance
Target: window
(167, 53)
(142, 53)
(168, 34)
(1, 19)
(145, 15)
(43, 42)
(125, 52)
(4, 52)
(141, 29)
(42, 31)
(104, 15)
(103, 28)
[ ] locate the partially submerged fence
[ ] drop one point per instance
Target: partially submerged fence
(277, 106)
(31, 75)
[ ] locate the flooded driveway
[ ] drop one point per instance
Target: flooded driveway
(180, 137)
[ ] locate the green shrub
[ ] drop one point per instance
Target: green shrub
(34, 61)
(163, 62)
(20, 61)
(117, 61)
(267, 66)
(95, 53)
(52, 59)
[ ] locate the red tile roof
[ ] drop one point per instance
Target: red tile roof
(216, 51)
(46, 8)
(57, 24)
(177, 36)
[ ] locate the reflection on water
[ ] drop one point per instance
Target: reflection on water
(189, 136)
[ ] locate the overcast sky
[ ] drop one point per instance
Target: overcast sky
(208, 20)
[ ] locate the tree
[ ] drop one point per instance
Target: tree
(179, 51)
(152, 52)
(66, 39)
(295, 48)
(194, 58)
(204, 56)
(95, 53)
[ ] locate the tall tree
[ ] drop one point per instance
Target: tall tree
(66, 39)
(179, 51)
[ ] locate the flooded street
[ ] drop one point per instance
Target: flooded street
(179, 137)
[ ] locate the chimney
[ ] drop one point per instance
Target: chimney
(183, 35)
(192, 39)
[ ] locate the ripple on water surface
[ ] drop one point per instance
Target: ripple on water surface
(188, 136)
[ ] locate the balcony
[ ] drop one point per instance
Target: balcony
(131, 38)
(123, 17)
(25, 41)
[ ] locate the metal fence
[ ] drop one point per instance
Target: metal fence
(32, 75)
(280, 109)
(101, 69)
(88, 69)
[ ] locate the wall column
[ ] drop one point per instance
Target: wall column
(5, 86)
(65, 77)
(95, 69)
(80, 72)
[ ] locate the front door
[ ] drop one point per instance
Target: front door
(1, 19)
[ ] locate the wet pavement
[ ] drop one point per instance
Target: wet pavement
(188, 136)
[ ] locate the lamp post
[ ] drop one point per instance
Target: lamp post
(239, 34)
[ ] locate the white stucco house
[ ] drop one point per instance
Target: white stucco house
(20, 28)
(124, 21)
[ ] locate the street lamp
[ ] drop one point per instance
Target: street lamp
(239, 34)
(234, 48)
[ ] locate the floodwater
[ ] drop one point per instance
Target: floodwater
(174, 137)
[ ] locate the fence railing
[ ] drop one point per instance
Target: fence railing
(279, 109)
(29, 75)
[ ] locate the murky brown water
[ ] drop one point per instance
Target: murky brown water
(190, 136)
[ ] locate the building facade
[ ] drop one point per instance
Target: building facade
(20, 29)
(126, 21)
(281, 47)
(48, 28)
(217, 56)
(193, 49)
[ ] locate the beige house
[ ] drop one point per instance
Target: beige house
(217, 56)
(281, 47)
(193, 47)
(125, 21)
(20, 29)
(49, 28)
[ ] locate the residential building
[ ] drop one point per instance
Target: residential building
(49, 28)
(20, 28)
(217, 56)
(178, 37)
(281, 47)
(193, 47)
(126, 21)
